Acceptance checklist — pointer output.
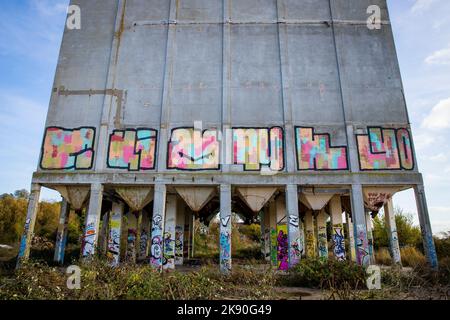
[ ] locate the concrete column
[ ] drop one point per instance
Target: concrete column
(61, 235)
(144, 235)
(351, 238)
(115, 231)
(295, 226)
(103, 238)
(282, 234)
(322, 240)
(225, 228)
(262, 228)
(159, 212)
(337, 236)
(179, 233)
(425, 226)
(370, 236)
(360, 228)
(310, 236)
(192, 235)
(187, 234)
(266, 234)
(169, 232)
(132, 236)
(90, 237)
(30, 221)
(394, 245)
(273, 233)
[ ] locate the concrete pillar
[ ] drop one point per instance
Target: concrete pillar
(266, 235)
(391, 226)
(30, 221)
(115, 230)
(92, 224)
(351, 238)
(360, 228)
(261, 236)
(61, 235)
(169, 232)
(192, 235)
(187, 233)
(159, 212)
(425, 226)
(295, 227)
(103, 237)
(282, 234)
(225, 228)
(337, 236)
(322, 240)
(132, 236)
(179, 233)
(310, 235)
(144, 235)
(273, 233)
(369, 226)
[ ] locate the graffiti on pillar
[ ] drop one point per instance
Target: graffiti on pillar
(282, 248)
(179, 241)
(169, 250)
(257, 147)
(191, 149)
(385, 149)
(68, 149)
(274, 247)
(132, 149)
(322, 242)
(156, 253)
(225, 243)
(143, 244)
(338, 242)
(23, 241)
(395, 250)
(310, 244)
(362, 245)
(114, 243)
(296, 245)
(88, 244)
(61, 237)
(430, 250)
(130, 255)
(315, 152)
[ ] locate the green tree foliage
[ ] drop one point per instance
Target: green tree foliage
(442, 244)
(408, 233)
(12, 217)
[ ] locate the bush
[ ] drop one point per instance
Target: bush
(383, 257)
(411, 257)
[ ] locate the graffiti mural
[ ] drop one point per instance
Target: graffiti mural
(295, 242)
(89, 240)
(257, 147)
(156, 249)
(115, 225)
(225, 243)
(322, 243)
(282, 248)
(385, 149)
(362, 245)
(179, 242)
(68, 149)
(314, 151)
(338, 242)
(191, 149)
(132, 149)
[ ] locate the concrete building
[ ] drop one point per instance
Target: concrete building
(166, 111)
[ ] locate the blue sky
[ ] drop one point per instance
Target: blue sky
(31, 31)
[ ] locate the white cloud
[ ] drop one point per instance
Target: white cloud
(440, 158)
(439, 118)
(439, 57)
(421, 5)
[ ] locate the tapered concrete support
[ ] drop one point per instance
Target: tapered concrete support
(225, 228)
(266, 235)
(144, 235)
(351, 238)
(94, 211)
(310, 235)
(391, 226)
(337, 237)
(30, 221)
(61, 235)
(132, 236)
(369, 227)
(115, 230)
(322, 242)
(295, 228)
(169, 233)
(273, 234)
(360, 228)
(159, 212)
(425, 226)
(179, 233)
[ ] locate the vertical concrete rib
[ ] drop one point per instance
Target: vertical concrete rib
(226, 151)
